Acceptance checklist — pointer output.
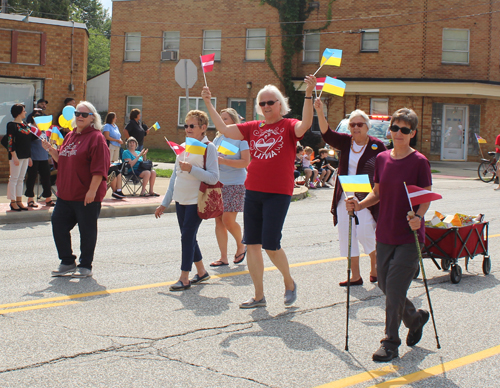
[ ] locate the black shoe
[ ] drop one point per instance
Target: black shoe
(179, 286)
(415, 335)
(117, 195)
(197, 279)
(384, 354)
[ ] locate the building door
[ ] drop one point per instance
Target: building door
(454, 132)
(239, 105)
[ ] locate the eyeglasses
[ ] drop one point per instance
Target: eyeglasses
(83, 114)
(270, 103)
(190, 126)
(354, 125)
(404, 130)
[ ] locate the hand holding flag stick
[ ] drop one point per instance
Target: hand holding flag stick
(417, 196)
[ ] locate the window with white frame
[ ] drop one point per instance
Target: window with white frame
(133, 102)
(379, 106)
(194, 103)
(256, 44)
(132, 46)
(455, 46)
(369, 40)
(212, 43)
(311, 48)
(171, 40)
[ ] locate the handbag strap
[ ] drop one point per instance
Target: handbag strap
(205, 157)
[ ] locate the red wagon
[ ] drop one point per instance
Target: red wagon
(449, 245)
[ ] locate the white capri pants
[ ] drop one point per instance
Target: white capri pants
(114, 153)
(364, 233)
(16, 179)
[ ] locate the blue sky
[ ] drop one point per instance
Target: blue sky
(106, 4)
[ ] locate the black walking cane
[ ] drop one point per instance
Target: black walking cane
(411, 214)
(351, 216)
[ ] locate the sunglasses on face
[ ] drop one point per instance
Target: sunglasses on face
(354, 125)
(404, 130)
(190, 126)
(270, 103)
(83, 114)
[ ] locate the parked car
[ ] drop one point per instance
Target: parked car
(379, 127)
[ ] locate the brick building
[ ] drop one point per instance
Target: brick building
(441, 59)
(39, 58)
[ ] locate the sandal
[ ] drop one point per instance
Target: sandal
(19, 203)
(145, 195)
(237, 259)
(32, 204)
(218, 263)
(50, 203)
(154, 194)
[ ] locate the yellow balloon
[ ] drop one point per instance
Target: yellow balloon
(64, 123)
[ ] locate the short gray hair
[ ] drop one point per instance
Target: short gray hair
(360, 113)
(97, 123)
(285, 108)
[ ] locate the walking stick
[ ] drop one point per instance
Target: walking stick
(351, 216)
(411, 214)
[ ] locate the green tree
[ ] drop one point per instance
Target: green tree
(52, 9)
(98, 58)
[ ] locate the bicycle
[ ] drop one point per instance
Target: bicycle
(487, 169)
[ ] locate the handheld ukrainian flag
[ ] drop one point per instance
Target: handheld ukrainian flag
(333, 86)
(355, 183)
(331, 57)
(156, 126)
(43, 122)
(480, 140)
(194, 146)
(227, 148)
(57, 136)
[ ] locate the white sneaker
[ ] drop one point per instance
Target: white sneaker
(64, 269)
(82, 273)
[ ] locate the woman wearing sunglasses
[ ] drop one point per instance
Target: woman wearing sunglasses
(272, 147)
(190, 170)
(397, 256)
(82, 170)
(357, 156)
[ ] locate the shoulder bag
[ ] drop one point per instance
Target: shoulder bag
(210, 203)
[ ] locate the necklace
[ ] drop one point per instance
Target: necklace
(361, 150)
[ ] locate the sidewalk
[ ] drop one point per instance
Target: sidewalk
(133, 206)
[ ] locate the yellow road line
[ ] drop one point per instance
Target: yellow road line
(6, 308)
(438, 369)
(38, 307)
(361, 378)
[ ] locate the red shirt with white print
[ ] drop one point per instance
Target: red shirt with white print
(272, 148)
(81, 156)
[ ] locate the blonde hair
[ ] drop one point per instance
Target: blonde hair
(234, 116)
(285, 108)
(199, 115)
(308, 150)
(97, 123)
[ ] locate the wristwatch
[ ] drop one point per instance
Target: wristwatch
(419, 216)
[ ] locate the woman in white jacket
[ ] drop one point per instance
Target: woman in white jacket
(184, 184)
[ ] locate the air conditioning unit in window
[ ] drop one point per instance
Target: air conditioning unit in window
(169, 55)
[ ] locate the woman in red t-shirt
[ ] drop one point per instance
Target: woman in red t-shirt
(272, 144)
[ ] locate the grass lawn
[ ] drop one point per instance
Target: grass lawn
(162, 156)
(160, 172)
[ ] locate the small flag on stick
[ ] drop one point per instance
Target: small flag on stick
(207, 64)
(43, 122)
(175, 147)
(35, 131)
(194, 146)
(156, 126)
(355, 183)
(227, 148)
(333, 86)
(480, 140)
(57, 136)
(320, 82)
(417, 195)
(331, 57)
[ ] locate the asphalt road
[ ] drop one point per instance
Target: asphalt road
(123, 328)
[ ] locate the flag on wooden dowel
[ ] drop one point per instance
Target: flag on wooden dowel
(355, 183)
(333, 86)
(194, 146)
(479, 139)
(156, 126)
(227, 148)
(175, 147)
(418, 195)
(207, 64)
(331, 57)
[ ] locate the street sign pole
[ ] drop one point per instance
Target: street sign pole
(187, 88)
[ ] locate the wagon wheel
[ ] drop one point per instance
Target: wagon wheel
(455, 274)
(445, 264)
(417, 272)
(486, 265)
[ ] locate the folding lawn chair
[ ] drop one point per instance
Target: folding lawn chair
(130, 181)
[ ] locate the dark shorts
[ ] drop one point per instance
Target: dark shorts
(264, 215)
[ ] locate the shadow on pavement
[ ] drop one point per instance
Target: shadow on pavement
(66, 285)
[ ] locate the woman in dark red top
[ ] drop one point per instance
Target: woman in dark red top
(83, 162)
(19, 138)
(272, 144)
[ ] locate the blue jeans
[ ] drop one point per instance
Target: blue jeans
(65, 216)
(189, 222)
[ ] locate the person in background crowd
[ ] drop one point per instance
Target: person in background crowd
(40, 158)
(41, 106)
(134, 158)
(19, 138)
(134, 129)
(113, 136)
(82, 170)
(269, 183)
(232, 174)
(357, 156)
(190, 170)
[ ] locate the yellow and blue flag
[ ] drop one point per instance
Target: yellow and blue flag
(43, 122)
(57, 136)
(479, 139)
(227, 148)
(355, 183)
(331, 57)
(334, 86)
(156, 126)
(194, 146)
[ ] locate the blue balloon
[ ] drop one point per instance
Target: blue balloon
(68, 112)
